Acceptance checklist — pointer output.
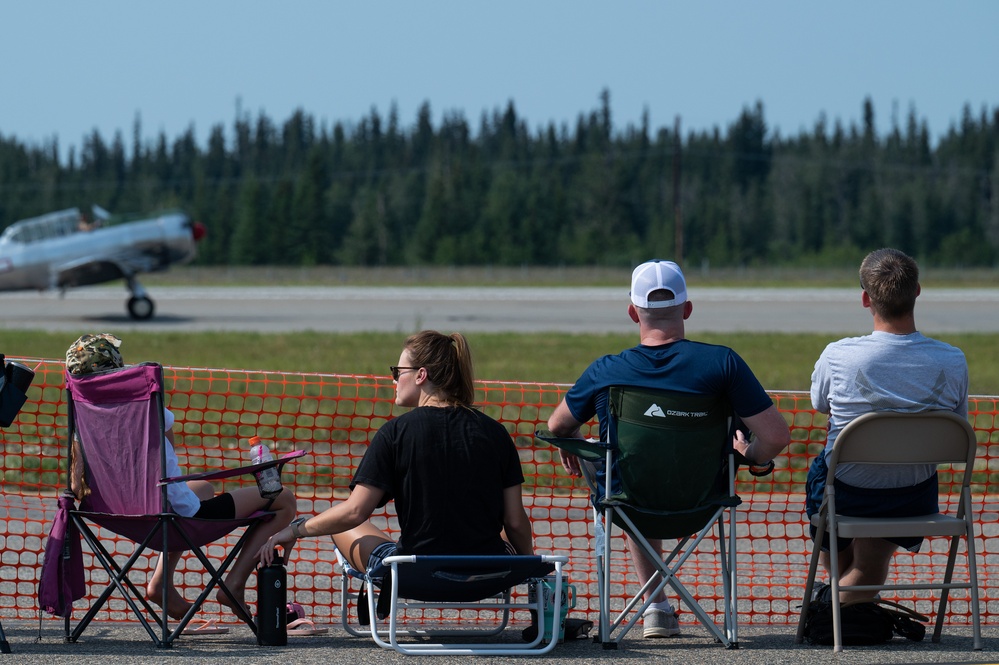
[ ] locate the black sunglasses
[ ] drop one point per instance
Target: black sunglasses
(395, 371)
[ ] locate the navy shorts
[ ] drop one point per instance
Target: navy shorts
(920, 499)
(376, 569)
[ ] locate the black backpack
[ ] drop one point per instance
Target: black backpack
(861, 622)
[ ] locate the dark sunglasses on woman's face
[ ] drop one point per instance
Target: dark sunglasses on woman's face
(395, 371)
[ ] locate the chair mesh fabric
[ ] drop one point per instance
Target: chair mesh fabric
(117, 418)
(117, 424)
(467, 578)
(672, 452)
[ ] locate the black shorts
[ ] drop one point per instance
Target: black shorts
(221, 507)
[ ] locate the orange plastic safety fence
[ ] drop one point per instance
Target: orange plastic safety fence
(333, 417)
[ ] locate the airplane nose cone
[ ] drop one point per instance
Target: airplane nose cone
(198, 230)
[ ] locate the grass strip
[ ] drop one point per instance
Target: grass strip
(781, 361)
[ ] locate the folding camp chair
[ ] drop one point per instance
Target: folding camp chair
(117, 417)
(929, 437)
(449, 586)
(671, 469)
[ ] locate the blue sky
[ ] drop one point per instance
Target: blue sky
(67, 68)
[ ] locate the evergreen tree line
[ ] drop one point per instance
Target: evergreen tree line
(376, 193)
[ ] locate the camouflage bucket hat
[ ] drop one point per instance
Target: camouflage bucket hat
(94, 353)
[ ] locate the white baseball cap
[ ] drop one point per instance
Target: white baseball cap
(656, 275)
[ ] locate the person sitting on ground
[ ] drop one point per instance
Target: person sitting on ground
(197, 498)
(665, 360)
(453, 471)
(895, 368)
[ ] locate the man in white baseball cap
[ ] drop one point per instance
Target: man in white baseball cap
(665, 360)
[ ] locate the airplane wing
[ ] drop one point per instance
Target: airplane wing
(97, 269)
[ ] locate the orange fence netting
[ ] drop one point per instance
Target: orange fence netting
(333, 417)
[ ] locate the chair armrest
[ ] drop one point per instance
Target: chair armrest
(590, 450)
(279, 462)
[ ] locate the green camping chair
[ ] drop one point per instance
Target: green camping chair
(672, 476)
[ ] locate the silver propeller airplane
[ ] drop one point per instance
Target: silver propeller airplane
(63, 249)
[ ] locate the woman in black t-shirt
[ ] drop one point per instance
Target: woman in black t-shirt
(453, 472)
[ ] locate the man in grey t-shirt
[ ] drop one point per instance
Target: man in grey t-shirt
(895, 368)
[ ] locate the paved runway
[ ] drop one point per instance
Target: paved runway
(479, 309)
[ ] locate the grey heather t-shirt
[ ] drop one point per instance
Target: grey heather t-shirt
(887, 372)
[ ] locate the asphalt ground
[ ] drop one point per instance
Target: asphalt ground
(765, 645)
(482, 309)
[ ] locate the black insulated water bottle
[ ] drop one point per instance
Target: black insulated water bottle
(272, 604)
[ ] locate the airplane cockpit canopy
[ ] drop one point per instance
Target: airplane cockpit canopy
(51, 225)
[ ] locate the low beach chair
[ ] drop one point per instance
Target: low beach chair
(446, 588)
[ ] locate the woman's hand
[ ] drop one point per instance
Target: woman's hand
(283, 539)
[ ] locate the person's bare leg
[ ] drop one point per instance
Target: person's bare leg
(645, 568)
(869, 565)
(248, 500)
(177, 606)
(844, 558)
(358, 543)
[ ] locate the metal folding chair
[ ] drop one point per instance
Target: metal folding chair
(929, 437)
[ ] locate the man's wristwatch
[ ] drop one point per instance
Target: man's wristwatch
(758, 469)
(761, 469)
(296, 525)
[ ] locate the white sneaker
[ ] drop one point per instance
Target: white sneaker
(660, 623)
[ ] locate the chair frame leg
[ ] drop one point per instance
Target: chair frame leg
(666, 575)
(813, 565)
(118, 576)
(4, 644)
(824, 530)
(602, 548)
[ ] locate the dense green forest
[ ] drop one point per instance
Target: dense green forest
(376, 192)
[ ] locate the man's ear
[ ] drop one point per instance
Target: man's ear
(688, 307)
(865, 300)
(632, 312)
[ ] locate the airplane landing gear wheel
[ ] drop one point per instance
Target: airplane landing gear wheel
(140, 308)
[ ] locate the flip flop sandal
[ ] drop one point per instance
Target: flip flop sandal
(207, 627)
(305, 627)
(298, 624)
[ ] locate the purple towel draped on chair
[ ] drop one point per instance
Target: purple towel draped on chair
(62, 580)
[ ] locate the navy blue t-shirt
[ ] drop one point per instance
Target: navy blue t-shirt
(683, 366)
